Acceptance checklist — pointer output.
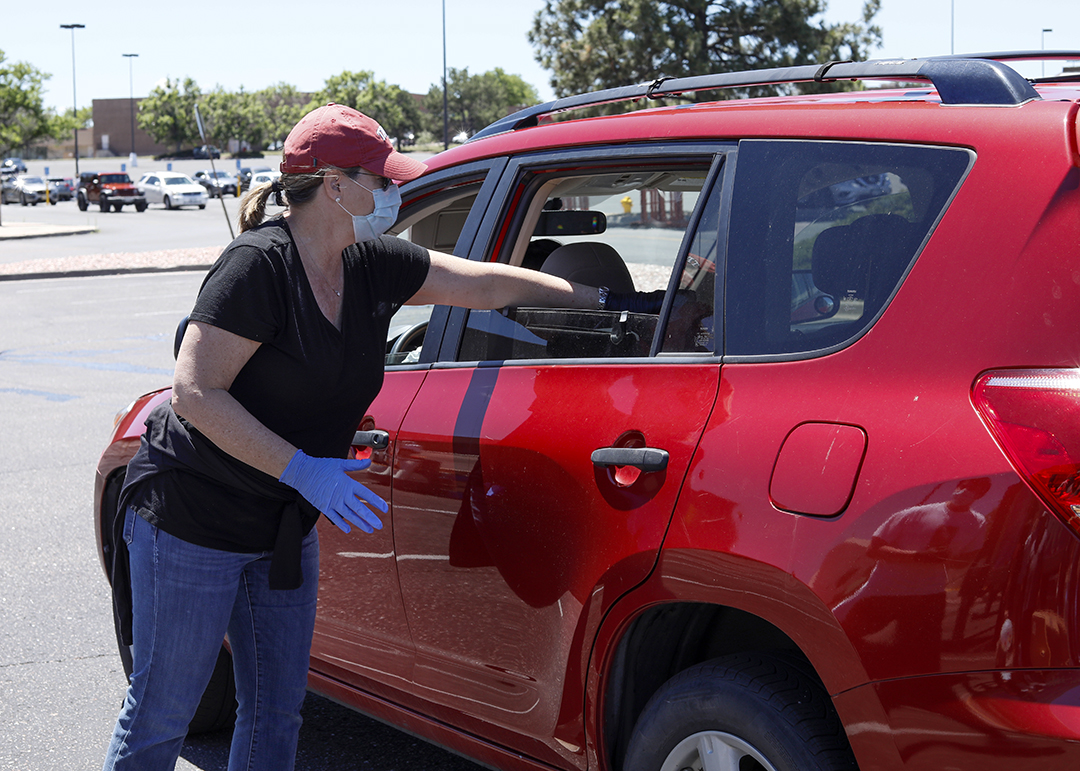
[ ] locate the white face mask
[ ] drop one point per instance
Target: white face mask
(368, 227)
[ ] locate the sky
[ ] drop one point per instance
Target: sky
(256, 45)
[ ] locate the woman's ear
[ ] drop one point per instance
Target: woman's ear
(332, 185)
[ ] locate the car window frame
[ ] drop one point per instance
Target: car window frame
(420, 191)
(717, 154)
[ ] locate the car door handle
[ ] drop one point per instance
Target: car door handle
(376, 440)
(644, 458)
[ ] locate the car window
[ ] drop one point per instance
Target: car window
(436, 222)
(822, 234)
(622, 227)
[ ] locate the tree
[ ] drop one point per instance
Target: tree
(63, 126)
(474, 101)
(283, 106)
(23, 118)
(168, 114)
(391, 106)
(239, 116)
(590, 45)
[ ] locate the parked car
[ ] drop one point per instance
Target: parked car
(25, 190)
(757, 528)
(172, 189)
(60, 189)
(262, 177)
(206, 151)
(109, 190)
(13, 166)
(217, 183)
(244, 177)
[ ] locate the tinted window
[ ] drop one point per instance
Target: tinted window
(822, 234)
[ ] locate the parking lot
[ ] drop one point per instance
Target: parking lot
(76, 350)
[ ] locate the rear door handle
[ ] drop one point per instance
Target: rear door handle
(376, 440)
(644, 458)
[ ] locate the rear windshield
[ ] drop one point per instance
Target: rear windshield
(822, 234)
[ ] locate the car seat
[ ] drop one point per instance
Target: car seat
(863, 260)
(591, 263)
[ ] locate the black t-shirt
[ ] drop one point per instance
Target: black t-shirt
(308, 382)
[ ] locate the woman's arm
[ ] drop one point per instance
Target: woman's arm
(209, 360)
(487, 285)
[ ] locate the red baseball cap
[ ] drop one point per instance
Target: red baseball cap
(336, 135)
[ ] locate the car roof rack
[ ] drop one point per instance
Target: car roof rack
(982, 80)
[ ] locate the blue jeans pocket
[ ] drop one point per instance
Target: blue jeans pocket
(129, 524)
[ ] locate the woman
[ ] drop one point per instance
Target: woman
(283, 354)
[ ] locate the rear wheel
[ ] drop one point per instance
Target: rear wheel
(117, 206)
(746, 712)
(104, 204)
(140, 207)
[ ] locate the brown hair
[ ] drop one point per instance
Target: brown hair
(288, 189)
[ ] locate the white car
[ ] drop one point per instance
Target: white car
(172, 189)
(259, 177)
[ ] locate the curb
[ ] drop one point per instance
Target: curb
(35, 230)
(117, 271)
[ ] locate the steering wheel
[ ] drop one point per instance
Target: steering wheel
(410, 339)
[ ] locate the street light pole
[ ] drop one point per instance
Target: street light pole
(131, 82)
(445, 85)
(952, 27)
(74, 99)
(1044, 48)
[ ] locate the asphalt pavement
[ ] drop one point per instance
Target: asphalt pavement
(75, 350)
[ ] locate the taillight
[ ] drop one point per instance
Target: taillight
(1034, 415)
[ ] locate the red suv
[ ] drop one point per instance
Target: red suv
(819, 512)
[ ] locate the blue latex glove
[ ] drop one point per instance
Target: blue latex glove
(326, 486)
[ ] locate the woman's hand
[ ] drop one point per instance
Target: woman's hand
(326, 484)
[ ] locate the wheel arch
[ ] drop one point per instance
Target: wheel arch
(671, 624)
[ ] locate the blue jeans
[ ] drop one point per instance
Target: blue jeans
(185, 597)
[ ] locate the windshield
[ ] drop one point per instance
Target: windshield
(113, 179)
(33, 181)
(178, 181)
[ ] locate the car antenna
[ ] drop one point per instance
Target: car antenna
(210, 155)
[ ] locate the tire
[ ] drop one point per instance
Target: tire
(22, 199)
(202, 206)
(217, 709)
(168, 203)
(83, 206)
(749, 712)
(140, 207)
(117, 206)
(104, 204)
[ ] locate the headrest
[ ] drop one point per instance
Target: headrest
(844, 256)
(590, 263)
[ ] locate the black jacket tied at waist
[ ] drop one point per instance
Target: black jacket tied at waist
(172, 444)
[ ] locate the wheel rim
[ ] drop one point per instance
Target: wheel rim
(715, 751)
